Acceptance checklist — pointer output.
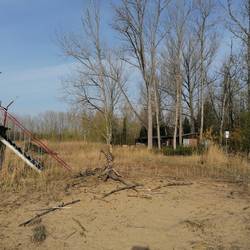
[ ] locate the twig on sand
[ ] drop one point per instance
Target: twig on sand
(171, 184)
(48, 211)
(141, 196)
(81, 226)
(70, 235)
(99, 199)
(49, 208)
(133, 187)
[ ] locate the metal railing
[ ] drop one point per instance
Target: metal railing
(28, 141)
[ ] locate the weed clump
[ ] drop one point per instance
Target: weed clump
(39, 234)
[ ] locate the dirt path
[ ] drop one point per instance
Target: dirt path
(205, 215)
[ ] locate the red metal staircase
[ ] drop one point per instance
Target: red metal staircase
(25, 145)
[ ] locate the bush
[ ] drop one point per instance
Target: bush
(239, 140)
(245, 132)
(180, 150)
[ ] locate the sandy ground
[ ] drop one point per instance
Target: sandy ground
(204, 215)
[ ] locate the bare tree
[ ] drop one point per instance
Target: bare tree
(99, 73)
(175, 41)
(205, 35)
(228, 91)
(156, 34)
(191, 77)
(138, 23)
(238, 22)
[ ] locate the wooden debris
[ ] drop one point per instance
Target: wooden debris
(82, 233)
(49, 208)
(110, 173)
(88, 172)
(48, 211)
(145, 196)
(99, 199)
(106, 173)
(36, 222)
(121, 189)
(70, 235)
(171, 184)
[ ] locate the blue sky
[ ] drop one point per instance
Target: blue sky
(30, 59)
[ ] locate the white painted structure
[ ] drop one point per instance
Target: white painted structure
(27, 161)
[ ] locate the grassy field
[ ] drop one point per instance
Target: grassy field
(131, 161)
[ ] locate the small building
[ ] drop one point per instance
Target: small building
(188, 140)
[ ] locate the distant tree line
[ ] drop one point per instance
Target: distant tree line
(81, 126)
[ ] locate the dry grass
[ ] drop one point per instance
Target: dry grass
(130, 161)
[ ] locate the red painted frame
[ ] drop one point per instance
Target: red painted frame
(7, 115)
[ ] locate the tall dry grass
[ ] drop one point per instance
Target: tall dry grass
(133, 162)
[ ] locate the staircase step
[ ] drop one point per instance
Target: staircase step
(35, 164)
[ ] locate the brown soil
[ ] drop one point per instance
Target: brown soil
(205, 215)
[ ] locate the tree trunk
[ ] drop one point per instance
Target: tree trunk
(175, 127)
(222, 118)
(192, 118)
(224, 101)
(202, 112)
(158, 129)
(176, 112)
(109, 129)
(202, 90)
(150, 119)
(180, 114)
(157, 109)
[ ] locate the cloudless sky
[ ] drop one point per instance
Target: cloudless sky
(31, 62)
(30, 59)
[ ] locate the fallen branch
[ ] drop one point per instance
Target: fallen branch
(106, 173)
(100, 199)
(88, 172)
(173, 184)
(141, 196)
(121, 189)
(70, 235)
(49, 208)
(81, 226)
(60, 206)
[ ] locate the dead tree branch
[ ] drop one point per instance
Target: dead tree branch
(173, 184)
(121, 189)
(48, 211)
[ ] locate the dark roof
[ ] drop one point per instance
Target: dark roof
(170, 136)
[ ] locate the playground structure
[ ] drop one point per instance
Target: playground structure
(25, 145)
